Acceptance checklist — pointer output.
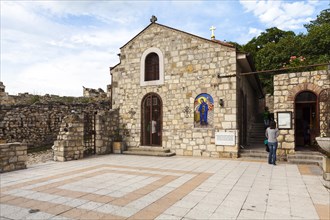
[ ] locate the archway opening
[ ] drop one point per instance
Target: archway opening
(306, 120)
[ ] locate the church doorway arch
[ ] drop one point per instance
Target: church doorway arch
(151, 120)
(306, 119)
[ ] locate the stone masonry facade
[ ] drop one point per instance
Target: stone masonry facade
(13, 157)
(286, 88)
(192, 66)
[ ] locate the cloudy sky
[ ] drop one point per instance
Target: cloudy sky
(56, 47)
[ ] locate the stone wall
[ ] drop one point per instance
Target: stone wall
(37, 125)
(106, 126)
(70, 140)
(13, 157)
(286, 87)
(72, 143)
(269, 102)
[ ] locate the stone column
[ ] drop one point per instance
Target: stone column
(69, 144)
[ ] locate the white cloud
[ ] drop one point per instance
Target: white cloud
(66, 75)
(57, 47)
(41, 55)
(281, 14)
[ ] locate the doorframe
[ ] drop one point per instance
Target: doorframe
(142, 132)
(317, 116)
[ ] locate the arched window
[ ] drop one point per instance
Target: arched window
(151, 67)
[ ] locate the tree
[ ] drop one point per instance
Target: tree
(317, 41)
(322, 18)
(275, 48)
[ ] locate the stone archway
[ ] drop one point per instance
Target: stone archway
(302, 110)
(303, 87)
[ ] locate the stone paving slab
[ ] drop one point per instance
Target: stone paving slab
(139, 187)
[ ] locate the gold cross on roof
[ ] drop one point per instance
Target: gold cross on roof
(212, 29)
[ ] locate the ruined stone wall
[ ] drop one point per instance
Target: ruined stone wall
(106, 125)
(37, 125)
(286, 87)
(71, 141)
(29, 99)
(13, 156)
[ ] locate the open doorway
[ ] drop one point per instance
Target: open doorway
(306, 120)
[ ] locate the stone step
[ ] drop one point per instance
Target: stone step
(257, 136)
(253, 155)
(305, 157)
(258, 153)
(305, 161)
(299, 153)
(309, 158)
(149, 151)
(256, 139)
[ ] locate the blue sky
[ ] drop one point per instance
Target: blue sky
(56, 47)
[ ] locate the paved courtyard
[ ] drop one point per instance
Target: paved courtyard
(138, 187)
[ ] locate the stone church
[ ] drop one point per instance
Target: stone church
(182, 92)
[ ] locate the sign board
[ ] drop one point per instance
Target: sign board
(284, 120)
(225, 138)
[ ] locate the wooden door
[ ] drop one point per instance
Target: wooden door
(151, 123)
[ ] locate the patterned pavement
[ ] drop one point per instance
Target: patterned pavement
(139, 187)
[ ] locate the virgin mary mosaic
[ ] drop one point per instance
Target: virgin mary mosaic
(203, 111)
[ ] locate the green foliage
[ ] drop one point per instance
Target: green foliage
(322, 18)
(85, 100)
(35, 99)
(317, 43)
(274, 49)
(68, 99)
(237, 45)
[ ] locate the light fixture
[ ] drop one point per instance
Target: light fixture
(221, 103)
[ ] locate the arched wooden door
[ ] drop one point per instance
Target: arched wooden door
(151, 120)
(306, 118)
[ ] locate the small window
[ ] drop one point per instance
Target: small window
(151, 67)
